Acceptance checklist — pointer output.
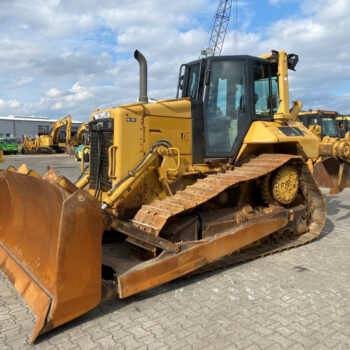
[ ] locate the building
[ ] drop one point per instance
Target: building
(16, 126)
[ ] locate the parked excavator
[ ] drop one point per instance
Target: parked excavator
(332, 167)
(55, 142)
(215, 177)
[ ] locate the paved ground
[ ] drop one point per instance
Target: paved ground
(298, 299)
(62, 163)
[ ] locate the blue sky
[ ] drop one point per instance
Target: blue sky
(61, 56)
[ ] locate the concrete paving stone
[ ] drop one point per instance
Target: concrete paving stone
(129, 342)
(85, 343)
(297, 299)
(108, 343)
(156, 345)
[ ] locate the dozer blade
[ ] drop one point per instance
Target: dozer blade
(50, 248)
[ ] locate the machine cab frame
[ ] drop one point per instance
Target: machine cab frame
(228, 93)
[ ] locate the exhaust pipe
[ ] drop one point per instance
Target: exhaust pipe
(143, 76)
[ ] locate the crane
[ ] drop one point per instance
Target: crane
(216, 36)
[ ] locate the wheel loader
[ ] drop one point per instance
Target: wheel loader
(332, 168)
(215, 177)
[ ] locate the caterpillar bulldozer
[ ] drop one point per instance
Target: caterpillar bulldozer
(332, 167)
(56, 141)
(217, 176)
(343, 125)
(79, 139)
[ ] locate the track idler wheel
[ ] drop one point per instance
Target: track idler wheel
(282, 186)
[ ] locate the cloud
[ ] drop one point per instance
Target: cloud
(72, 57)
(9, 104)
(23, 82)
(319, 36)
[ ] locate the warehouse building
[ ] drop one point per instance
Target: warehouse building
(17, 126)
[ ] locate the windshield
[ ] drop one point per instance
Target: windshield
(329, 127)
(10, 141)
(225, 103)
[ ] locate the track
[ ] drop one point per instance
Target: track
(152, 218)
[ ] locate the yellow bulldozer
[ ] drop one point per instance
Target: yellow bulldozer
(217, 176)
(332, 167)
(55, 142)
(79, 139)
(343, 125)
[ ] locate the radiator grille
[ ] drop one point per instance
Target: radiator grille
(101, 138)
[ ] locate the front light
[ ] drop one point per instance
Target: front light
(102, 115)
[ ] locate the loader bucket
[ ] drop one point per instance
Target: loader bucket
(50, 248)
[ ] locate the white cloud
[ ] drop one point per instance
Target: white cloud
(62, 57)
(4, 104)
(23, 82)
(320, 37)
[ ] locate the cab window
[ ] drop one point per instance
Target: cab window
(266, 94)
(193, 75)
(225, 104)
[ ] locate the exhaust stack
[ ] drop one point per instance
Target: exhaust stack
(143, 76)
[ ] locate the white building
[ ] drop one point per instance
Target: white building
(16, 126)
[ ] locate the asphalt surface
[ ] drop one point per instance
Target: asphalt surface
(297, 299)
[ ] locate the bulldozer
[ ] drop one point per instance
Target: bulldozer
(217, 176)
(55, 142)
(79, 139)
(332, 167)
(343, 125)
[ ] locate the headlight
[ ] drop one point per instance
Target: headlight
(102, 115)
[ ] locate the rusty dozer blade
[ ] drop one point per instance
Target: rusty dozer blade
(50, 248)
(333, 174)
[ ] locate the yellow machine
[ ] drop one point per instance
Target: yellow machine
(332, 167)
(212, 178)
(343, 125)
(56, 141)
(1, 156)
(79, 139)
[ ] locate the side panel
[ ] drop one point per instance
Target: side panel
(128, 140)
(269, 133)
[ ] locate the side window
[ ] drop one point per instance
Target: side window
(265, 89)
(193, 76)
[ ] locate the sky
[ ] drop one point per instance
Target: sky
(62, 57)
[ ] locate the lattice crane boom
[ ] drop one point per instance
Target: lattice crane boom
(217, 34)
